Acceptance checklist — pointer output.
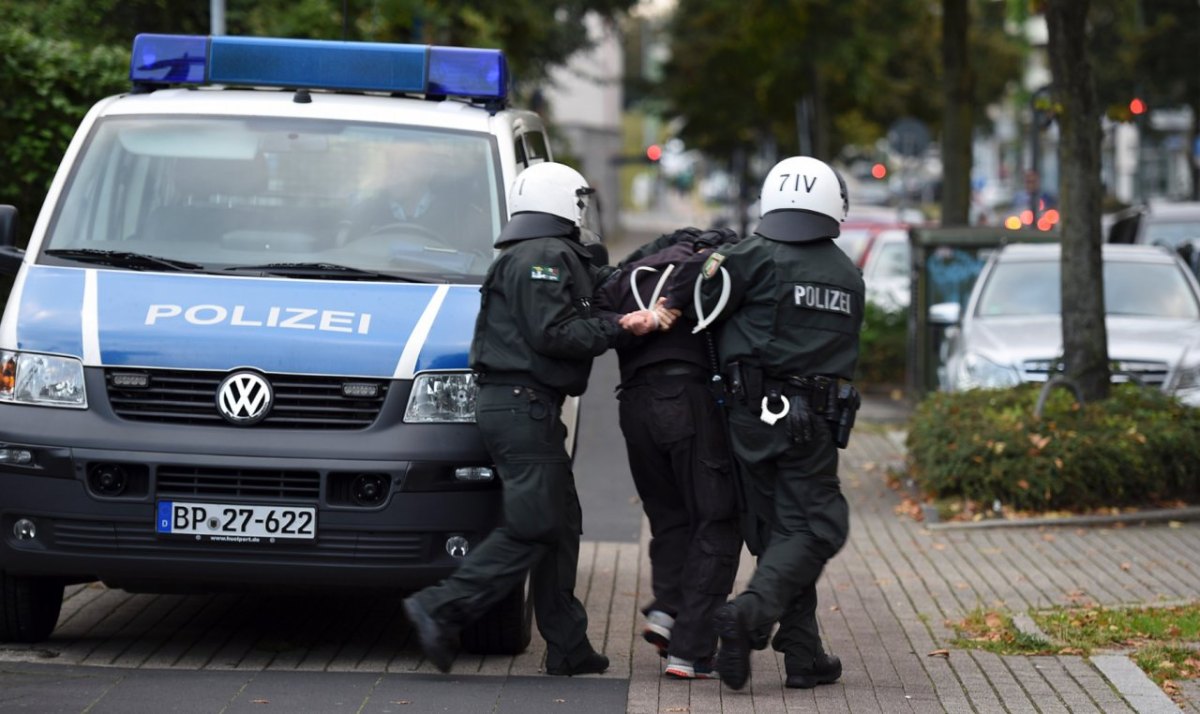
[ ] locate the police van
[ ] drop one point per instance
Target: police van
(235, 352)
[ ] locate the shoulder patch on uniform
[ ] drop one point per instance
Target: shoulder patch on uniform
(544, 272)
(712, 265)
(822, 297)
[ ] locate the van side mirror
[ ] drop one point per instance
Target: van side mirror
(10, 255)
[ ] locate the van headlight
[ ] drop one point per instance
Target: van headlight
(45, 380)
(978, 372)
(442, 397)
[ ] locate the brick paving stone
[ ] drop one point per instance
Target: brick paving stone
(1178, 547)
(1150, 548)
(1009, 690)
(180, 609)
(394, 637)
(76, 598)
(980, 563)
(1048, 701)
(1005, 558)
(373, 624)
(1095, 689)
(149, 612)
(1022, 545)
(1054, 671)
(1102, 553)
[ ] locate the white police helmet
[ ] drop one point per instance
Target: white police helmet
(803, 199)
(546, 199)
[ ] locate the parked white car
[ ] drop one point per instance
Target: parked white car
(886, 269)
(1011, 331)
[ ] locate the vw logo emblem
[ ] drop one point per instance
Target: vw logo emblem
(244, 398)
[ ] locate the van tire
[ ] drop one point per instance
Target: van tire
(29, 607)
(506, 628)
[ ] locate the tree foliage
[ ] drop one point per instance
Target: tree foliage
(535, 34)
(47, 85)
(738, 67)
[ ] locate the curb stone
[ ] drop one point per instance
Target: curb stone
(1191, 513)
(1138, 689)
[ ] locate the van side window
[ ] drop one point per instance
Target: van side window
(535, 147)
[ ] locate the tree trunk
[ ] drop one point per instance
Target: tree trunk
(957, 116)
(1085, 338)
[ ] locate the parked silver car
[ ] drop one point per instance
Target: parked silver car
(1010, 330)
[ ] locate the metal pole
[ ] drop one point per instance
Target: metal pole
(217, 16)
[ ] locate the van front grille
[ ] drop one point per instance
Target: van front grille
(190, 397)
(257, 484)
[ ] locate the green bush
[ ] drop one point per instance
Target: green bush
(883, 347)
(47, 86)
(1137, 447)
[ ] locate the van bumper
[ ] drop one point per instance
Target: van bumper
(81, 533)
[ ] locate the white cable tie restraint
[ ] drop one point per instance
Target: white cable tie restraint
(769, 417)
(662, 281)
(702, 320)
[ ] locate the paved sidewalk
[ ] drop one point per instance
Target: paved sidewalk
(885, 605)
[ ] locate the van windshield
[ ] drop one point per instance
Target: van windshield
(225, 193)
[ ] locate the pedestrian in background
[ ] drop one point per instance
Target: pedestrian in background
(535, 337)
(787, 336)
(678, 456)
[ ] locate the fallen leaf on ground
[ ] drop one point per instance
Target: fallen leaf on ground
(1126, 566)
(939, 653)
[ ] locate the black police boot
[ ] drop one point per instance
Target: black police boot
(592, 663)
(435, 639)
(826, 669)
(733, 659)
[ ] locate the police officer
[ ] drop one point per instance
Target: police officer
(787, 337)
(679, 459)
(534, 341)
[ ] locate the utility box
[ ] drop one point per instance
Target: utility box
(945, 263)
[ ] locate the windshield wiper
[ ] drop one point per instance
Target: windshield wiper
(122, 259)
(322, 270)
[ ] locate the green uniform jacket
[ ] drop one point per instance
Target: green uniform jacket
(536, 316)
(795, 309)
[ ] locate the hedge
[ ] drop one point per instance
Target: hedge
(1138, 447)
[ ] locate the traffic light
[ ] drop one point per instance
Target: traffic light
(654, 152)
(878, 171)
(1137, 106)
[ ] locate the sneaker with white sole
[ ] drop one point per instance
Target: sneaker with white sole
(680, 668)
(657, 630)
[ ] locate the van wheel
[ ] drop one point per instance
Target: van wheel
(28, 607)
(506, 628)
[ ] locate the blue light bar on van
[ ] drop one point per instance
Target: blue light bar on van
(319, 64)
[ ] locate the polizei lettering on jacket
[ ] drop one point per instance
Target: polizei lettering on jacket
(295, 318)
(820, 297)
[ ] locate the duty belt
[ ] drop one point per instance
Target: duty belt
(749, 383)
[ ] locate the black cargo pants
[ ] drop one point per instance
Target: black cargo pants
(523, 431)
(797, 521)
(678, 456)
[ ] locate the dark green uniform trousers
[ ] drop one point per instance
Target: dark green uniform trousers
(524, 434)
(797, 520)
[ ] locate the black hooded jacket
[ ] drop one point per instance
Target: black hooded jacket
(536, 324)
